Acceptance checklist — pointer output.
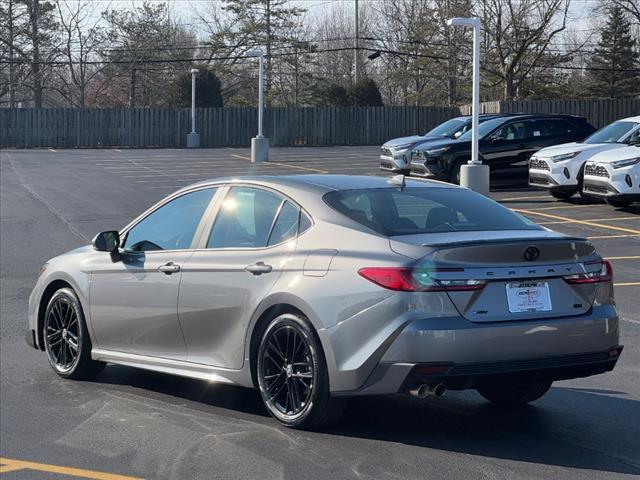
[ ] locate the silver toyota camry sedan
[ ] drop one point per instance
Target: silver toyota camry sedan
(316, 288)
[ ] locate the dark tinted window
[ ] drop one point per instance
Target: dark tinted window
(172, 226)
(286, 225)
(511, 131)
(425, 210)
(245, 218)
(552, 128)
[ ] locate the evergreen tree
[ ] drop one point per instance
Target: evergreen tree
(365, 93)
(261, 23)
(615, 62)
(207, 89)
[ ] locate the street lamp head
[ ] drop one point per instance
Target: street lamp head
(194, 70)
(463, 22)
(254, 53)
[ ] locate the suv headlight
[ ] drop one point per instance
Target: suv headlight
(563, 157)
(625, 163)
(437, 151)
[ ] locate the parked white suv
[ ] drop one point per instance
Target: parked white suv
(561, 168)
(615, 176)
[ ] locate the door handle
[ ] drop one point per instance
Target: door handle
(258, 268)
(169, 268)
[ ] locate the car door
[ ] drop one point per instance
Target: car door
(251, 238)
(506, 145)
(134, 295)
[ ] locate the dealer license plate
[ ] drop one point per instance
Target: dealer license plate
(528, 297)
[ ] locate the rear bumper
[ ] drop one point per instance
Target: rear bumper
(480, 350)
(460, 377)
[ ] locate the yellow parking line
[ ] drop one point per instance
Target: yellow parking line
(622, 235)
(596, 220)
(9, 465)
(628, 257)
(533, 197)
(310, 169)
(300, 167)
(626, 284)
(560, 207)
(582, 222)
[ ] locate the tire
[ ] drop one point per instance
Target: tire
(561, 195)
(618, 203)
(292, 375)
(454, 173)
(514, 394)
(63, 327)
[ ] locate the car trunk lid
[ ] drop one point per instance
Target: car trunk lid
(524, 272)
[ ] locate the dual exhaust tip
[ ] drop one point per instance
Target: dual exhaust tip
(425, 390)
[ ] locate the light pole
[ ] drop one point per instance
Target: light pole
(193, 139)
(474, 175)
(259, 144)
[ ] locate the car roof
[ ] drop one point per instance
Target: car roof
(635, 119)
(322, 183)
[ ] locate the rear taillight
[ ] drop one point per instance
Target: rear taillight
(605, 274)
(407, 279)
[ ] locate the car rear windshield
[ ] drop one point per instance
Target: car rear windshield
(416, 210)
(612, 133)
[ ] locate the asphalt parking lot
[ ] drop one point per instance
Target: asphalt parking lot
(146, 425)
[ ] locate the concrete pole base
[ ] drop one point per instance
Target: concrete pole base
(259, 150)
(475, 177)
(193, 140)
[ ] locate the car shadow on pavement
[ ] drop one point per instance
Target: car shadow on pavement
(571, 427)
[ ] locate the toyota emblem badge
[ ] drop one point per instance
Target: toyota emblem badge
(531, 253)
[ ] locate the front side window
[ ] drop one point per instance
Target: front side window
(419, 210)
(511, 131)
(172, 226)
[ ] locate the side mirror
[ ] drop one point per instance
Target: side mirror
(634, 140)
(108, 241)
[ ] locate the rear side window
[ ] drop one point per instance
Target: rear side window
(392, 212)
(552, 128)
(245, 218)
(286, 225)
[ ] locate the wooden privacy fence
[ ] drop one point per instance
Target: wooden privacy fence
(218, 127)
(598, 112)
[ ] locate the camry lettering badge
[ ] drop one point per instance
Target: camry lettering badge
(531, 253)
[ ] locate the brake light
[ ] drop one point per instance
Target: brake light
(604, 275)
(406, 279)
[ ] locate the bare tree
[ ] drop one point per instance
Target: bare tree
(81, 36)
(518, 37)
